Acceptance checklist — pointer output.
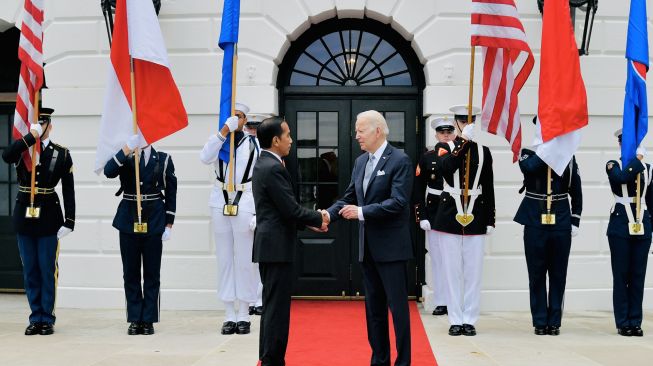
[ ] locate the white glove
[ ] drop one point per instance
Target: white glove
(36, 127)
(641, 150)
(135, 141)
(63, 231)
(574, 230)
(232, 123)
(166, 234)
(252, 223)
(425, 225)
(468, 132)
(489, 230)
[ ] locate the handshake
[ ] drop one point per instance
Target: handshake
(349, 212)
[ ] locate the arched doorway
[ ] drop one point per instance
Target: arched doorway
(11, 270)
(335, 70)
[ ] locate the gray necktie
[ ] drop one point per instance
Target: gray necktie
(369, 168)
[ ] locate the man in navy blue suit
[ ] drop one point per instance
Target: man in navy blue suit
(378, 197)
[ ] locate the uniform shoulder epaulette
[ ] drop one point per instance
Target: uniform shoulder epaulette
(59, 146)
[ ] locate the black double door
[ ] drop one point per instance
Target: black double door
(11, 269)
(324, 151)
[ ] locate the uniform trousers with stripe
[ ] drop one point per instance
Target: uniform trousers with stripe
(437, 270)
(136, 250)
(238, 277)
(462, 261)
(39, 255)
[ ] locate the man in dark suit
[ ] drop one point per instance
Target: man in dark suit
(378, 197)
(277, 217)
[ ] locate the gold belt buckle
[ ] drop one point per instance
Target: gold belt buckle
(33, 212)
(548, 219)
(230, 210)
(140, 227)
(464, 219)
(635, 228)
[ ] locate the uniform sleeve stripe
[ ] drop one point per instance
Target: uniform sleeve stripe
(170, 213)
(116, 160)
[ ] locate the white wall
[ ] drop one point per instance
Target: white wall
(76, 52)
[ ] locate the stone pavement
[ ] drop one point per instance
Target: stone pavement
(184, 338)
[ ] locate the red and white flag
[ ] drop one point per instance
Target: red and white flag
(507, 64)
(30, 53)
(562, 107)
(159, 108)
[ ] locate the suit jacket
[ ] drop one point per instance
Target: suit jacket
(55, 164)
(277, 212)
(618, 175)
(386, 206)
(483, 210)
(534, 203)
(157, 178)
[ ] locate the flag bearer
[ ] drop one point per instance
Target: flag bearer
(428, 188)
(234, 219)
(629, 236)
(39, 232)
(465, 216)
(549, 224)
(141, 238)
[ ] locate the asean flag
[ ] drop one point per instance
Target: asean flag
(159, 109)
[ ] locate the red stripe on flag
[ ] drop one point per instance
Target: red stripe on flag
(501, 2)
(500, 43)
(120, 50)
(497, 20)
(32, 38)
(35, 12)
(640, 68)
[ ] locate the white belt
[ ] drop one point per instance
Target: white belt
(433, 191)
(460, 192)
(629, 200)
(244, 187)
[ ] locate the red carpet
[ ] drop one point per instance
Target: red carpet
(333, 333)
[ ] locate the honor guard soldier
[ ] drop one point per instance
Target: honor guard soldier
(40, 224)
(428, 188)
(234, 219)
(549, 223)
(629, 236)
(141, 236)
(253, 120)
(465, 215)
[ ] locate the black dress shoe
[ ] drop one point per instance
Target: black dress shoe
(242, 327)
(258, 310)
(46, 329)
(440, 310)
(455, 330)
(637, 331)
(135, 328)
(33, 328)
(252, 310)
(469, 330)
(540, 330)
(553, 330)
(625, 331)
(228, 328)
(148, 329)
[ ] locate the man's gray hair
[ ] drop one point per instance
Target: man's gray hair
(375, 119)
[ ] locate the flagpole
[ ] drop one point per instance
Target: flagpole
(469, 119)
(231, 182)
(32, 192)
(137, 160)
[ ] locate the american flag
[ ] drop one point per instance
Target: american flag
(507, 63)
(30, 53)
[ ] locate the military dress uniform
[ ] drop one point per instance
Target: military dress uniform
(428, 188)
(238, 277)
(158, 188)
(38, 242)
(547, 243)
(462, 241)
(629, 248)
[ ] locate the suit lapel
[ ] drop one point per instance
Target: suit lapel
(360, 174)
(380, 164)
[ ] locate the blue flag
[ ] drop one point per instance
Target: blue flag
(228, 40)
(635, 119)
